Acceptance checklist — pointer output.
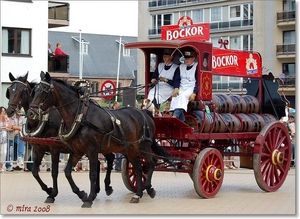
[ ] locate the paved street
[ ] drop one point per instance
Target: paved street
(175, 194)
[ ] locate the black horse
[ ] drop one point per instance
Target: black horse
(19, 96)
(93, 129)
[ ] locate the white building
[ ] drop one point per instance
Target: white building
(24, 31)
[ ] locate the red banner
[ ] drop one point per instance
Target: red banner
(186, 30)
(236, 63)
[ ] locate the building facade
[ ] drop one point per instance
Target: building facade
(267, 27)
(25, 38)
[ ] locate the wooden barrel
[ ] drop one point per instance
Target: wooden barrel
(246, 122)
(198, 118)
(268, 118)
(193, 121)
(258, 122)
(223, 103)
(232, 123)
(199, 105)
(239, 103)
(253, 104)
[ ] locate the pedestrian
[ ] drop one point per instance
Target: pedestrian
(59, 53)
(185, 85)
(51, 56)
(18, 120)
(292, 131)
(162, 79)
(5, 126)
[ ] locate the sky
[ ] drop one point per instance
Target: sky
(103, 17)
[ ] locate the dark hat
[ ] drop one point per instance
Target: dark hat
(188, 54)
(167, 52)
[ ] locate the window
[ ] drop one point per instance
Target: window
(289, 69)
(248, 42)
(161, 20)
(289, 5)
(16, 41)
(215, 14)
(248, 11)
(289, 37)
(235, 11)
(197, 16)
(235, 42)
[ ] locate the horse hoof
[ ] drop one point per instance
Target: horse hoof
(135, 199)
(49, 200)
(82, 196)
(109, 191)
(152, 193)
(86, 205)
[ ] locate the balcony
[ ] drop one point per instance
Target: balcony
(285, 50)
(288, 82)
(64, 65)
(215, 27)
(58, 14)
(171, 3)
(231, 25)
(286, 18)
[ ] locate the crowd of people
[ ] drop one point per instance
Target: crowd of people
(13, 150)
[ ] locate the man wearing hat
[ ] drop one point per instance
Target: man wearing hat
(185, 85)
(162, 78)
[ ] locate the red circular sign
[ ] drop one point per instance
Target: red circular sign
(108, 89)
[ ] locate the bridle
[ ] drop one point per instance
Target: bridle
(44, 95)
(17, 105)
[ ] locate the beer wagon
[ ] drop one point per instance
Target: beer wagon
(247, 121)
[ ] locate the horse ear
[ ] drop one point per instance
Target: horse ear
(47, 76)
(26, 76)
(11, 77)
(42, 74)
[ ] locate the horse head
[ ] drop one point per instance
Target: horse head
(41, 98)
(18, 94)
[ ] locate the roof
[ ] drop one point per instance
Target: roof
(103, 53)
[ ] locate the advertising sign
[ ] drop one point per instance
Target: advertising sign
(186, 30)
(236, 63)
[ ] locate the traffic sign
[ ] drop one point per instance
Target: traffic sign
(108, 89)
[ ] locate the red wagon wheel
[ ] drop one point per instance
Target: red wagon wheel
(208, 173)
(129, 175)
(272, 156)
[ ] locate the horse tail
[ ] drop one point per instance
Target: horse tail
(161, 151)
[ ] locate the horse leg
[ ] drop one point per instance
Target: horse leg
(37, 159)
(151, 192)
(110, 159)
(93, 160)
(138, 169)
(73, 160)
(54, 174)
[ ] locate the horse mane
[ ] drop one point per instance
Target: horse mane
(69, 86)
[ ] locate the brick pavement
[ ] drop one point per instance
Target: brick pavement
(175, 194)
